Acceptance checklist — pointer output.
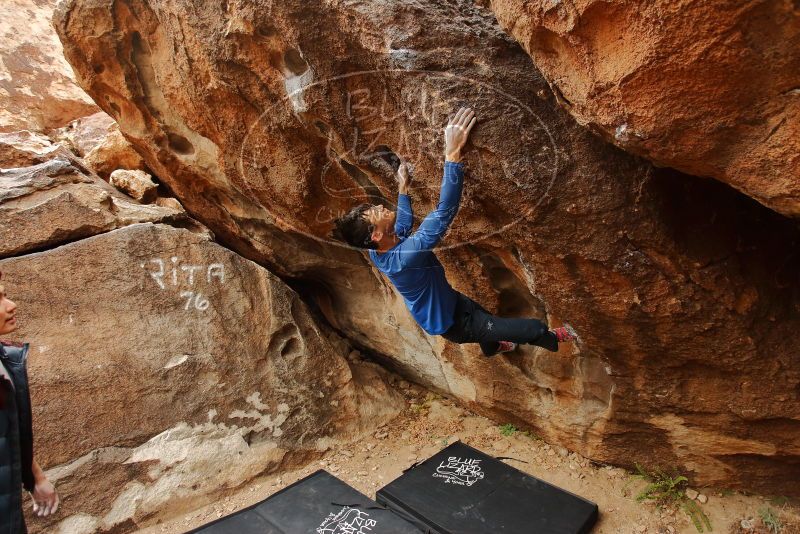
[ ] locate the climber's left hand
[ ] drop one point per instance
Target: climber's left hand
(403, 178)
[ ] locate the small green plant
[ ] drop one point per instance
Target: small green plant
(424, 406)
(696, 514)
(430, 397)
(770, 520)
(780, 500)
(670, 490)
(508, 429)
(529, 434)
(662, 488)
(439, 440)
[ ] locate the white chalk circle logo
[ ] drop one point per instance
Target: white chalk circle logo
(280, 165)
(347, 521)
(459, 471)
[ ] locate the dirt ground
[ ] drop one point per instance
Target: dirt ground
(430, 422)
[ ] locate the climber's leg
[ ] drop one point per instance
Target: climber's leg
(490, 348)
(489, 330)
(473, 324)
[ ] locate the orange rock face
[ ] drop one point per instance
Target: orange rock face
(269, 119)
(709, 88)
(37, 90)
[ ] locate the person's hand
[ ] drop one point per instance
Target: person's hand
(457, 132)
(45, 498)
(403, 178)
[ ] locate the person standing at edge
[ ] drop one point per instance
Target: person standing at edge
(17, 466)
(409, 262)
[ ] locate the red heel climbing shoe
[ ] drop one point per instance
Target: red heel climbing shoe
(565, 333)
(506, 346)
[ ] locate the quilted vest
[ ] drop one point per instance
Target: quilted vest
(16, 438)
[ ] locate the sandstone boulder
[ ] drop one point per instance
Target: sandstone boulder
(37, 89)
(136, 184)
(166, 369)
(24, 148)
(710, 88)
(98, 141)
(115, 153)
(269, 121)
(60, 201)
(168, 202)
(85, 133)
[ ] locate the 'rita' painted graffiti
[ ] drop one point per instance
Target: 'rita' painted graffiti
(173, 274)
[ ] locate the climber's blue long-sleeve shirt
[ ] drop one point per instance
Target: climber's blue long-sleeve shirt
(411, 264)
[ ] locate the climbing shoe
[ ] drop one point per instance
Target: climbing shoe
(506, 346)
(565, 333)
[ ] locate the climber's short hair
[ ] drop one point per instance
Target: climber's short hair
(354, 229)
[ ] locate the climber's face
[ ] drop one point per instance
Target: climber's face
(382, 220)
(8, 313)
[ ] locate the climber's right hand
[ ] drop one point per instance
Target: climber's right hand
(457, 132)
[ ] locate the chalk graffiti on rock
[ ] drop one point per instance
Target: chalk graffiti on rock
(347, 521)
(461, 471)
(172, 274)
(384, 127)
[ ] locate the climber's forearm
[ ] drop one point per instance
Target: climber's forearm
(454, 156)
(405, 217)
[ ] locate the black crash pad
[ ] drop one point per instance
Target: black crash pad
(317, 504)
(461, 490)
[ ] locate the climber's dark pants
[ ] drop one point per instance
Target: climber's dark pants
(473, 324)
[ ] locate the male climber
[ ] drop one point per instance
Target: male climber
(407, 259)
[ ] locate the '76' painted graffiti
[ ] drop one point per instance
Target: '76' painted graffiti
(173, 274)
